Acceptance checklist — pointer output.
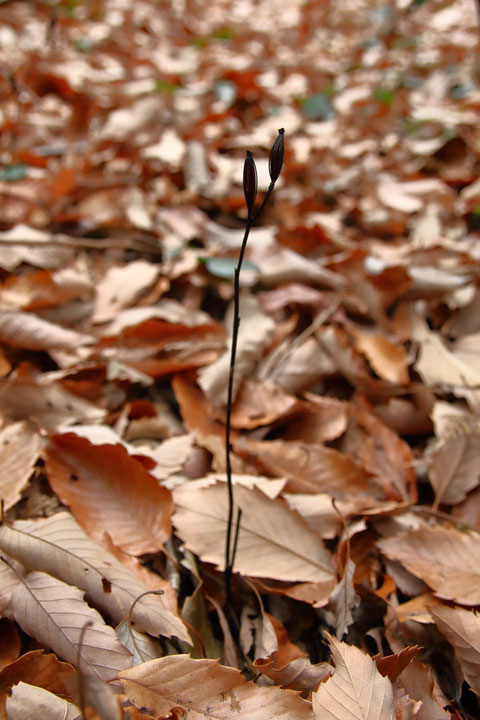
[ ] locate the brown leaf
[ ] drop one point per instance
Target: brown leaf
(392, 665)
(58, 546)
(109, 490)
(454, 468)
(45, 401)
(462, 629)
(19, 451)
(298, 674)
(25, 330)
(205, 689)
(356, 689)
(9, 643)
(388, 359)
(37, 668)
(310, 467)
(273, 540)
(417, 679)
(55, 614)
(445, 558)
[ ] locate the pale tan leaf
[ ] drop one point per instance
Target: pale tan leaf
(19, 450)
(205, 689)
(45, 402)
(25, 330)
(254, 336)
(58, 546)
(107, 489)
(455, 468)
(462, 629)
(356, 691)
(142, 646)
(121, 286)
(32, 701)
(417, 680)
(436, 363)
(55, 614)
(343, 599)
(9, 579)
(388, 359)
(445, 558)
(273, 540)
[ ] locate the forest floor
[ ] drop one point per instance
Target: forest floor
(356, 420)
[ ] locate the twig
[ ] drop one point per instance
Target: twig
(250, 184)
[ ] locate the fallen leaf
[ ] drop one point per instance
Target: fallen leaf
(19, 451)
(205, 689)
(254, 336)
(356, 689)
(343, 600)
(445, 558)
(45, 401)
(31, 701)
(417, 679)
(310, 468)
(121, 286)
(109, 490)
(58, 546)
(273, 540)
(25, 330)
(37, 668)
(462, 629)
(454, 469)
(55, 614)
(392, 665)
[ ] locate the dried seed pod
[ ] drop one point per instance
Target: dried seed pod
(277, 152)
(250, 181)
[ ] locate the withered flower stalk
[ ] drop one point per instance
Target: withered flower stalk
(250, 183)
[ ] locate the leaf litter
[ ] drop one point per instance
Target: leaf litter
(356, 414)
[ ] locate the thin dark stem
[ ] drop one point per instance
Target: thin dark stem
(250, 184)
(228, 425)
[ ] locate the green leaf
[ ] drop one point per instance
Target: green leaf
(225, 267)
(384, 95)
(12, 173)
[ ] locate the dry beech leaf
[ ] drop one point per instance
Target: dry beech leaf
(142, 646)
(32, 701)
(121, 286)
(108, 490)
(55, 614)
(19, 450)
(455, 469)
(37, 668)
(24, 330)
(388, 359)
(436, 363)
(311, 468)
(445, 558)
(298, 674)
(58, 546)
(205, 689)
(356, 690)
(343, 599)
(46, 402)
(273, 541)
(392, 665)
(462, 629)
(417, 680)
(254, 336)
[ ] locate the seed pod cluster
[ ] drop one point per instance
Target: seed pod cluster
(277, 153)
(250, 181)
